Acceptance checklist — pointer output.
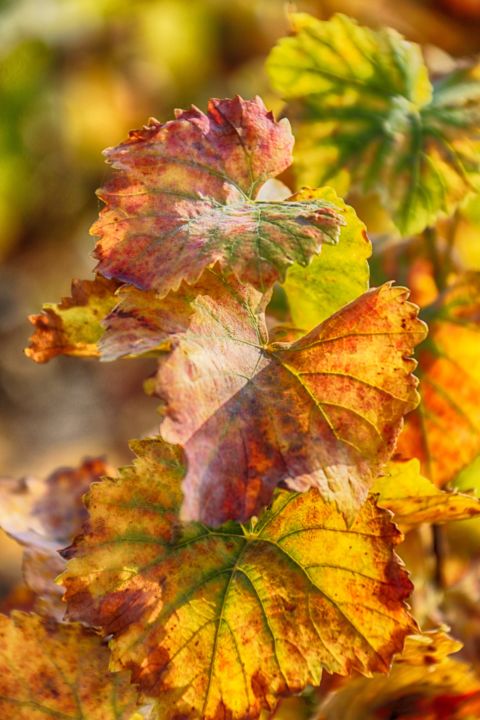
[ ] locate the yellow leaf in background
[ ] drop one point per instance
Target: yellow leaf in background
(413, 499)
(424, 684)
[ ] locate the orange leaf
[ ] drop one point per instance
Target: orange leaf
(444, 432)
(324, 411)
(73, 327)
(58, 671)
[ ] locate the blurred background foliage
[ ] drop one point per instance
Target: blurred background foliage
(75, 76)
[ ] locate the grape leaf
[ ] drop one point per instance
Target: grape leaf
(413, 499)
(425, 683)
(219, 623)
(130, 322)
(323, 411)
(368, 118)
(51, 670)
(444, 432)
(182, 198)
(336, 276)
(73, 327)
(43, 516)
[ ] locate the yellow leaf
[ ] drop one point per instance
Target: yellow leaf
(337, 275)
(223, 621)
(413, 499)
(424, 684)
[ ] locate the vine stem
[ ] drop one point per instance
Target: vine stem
(430, 237)
(439, 551)
(440, 271)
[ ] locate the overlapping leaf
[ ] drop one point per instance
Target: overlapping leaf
(444, 433)
(413, 499)
(105, 320)
(43, 516)
(73, 326)
(323, 411)
(51, 670)
(182, 199)
(367, 117)
(425, 683)
(221, 622)
(336, 276)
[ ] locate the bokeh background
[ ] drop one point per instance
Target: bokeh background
(75, 76)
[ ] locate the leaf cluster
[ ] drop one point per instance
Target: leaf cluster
(251, 545)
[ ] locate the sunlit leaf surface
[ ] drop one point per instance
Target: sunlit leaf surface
(220, 622)
(336, 276)
(413, 499)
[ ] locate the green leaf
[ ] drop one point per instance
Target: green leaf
(366, 117)
(336, 276)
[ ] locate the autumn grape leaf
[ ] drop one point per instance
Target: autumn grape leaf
(220, 622)
(336, 276)
(43, 516)
(323, 411)
(56, 670)
(73, 326)
(425, 683)
(137, 322)
(366, 117)
(444, 432)
(182, 198)
(413, 499)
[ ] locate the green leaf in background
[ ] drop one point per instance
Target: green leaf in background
(367, 117)
(336, 276)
